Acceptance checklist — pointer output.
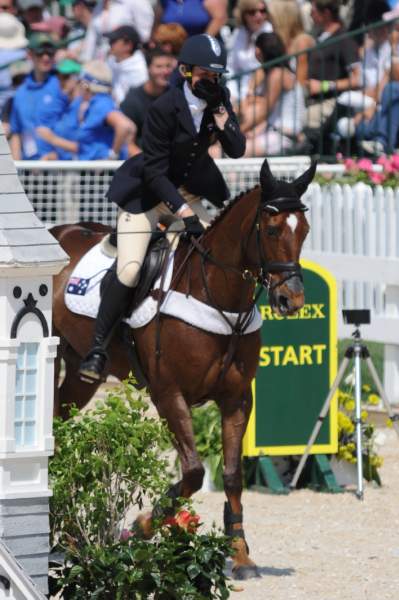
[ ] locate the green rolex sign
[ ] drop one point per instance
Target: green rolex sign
(297, 366)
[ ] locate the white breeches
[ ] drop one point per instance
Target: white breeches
(134, 234)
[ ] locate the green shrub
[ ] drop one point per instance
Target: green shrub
(208, 439)
(105, 462)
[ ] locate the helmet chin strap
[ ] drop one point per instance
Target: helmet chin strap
(186, 71)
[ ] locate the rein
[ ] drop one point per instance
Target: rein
(264, 269)
(262, 276)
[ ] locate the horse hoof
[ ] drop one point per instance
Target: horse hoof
(244, 572)
(142, 527)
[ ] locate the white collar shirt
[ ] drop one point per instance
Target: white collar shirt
(195, 105)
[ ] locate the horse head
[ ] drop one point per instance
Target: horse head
(282, 229)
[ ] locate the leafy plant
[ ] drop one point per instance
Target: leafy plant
(176, 564)
(105, 462)
(208, 439)
(347, 432)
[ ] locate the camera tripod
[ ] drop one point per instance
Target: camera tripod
(357, 351)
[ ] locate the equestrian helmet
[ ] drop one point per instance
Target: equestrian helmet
(204, 51)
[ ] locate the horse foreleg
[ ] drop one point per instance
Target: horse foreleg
(178, 416)
(235, 417)
(174, 409)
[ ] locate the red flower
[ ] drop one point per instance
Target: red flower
(187, 521)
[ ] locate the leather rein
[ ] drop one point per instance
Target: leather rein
(263, 269)
(260, 274)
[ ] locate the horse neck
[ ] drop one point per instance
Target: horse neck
(225, 240)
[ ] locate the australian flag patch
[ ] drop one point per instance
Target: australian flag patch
(77, 286)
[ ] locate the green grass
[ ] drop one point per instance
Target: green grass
(377, 356)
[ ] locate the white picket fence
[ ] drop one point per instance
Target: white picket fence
(354, 231)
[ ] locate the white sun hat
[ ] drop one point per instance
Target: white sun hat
(98, 75)
(12, 33)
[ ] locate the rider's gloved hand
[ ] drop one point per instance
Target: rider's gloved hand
(211, 91)
(193, 227)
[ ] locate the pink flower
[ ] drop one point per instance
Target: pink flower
(350, 164)
(386, 164)
(377, 178)
(339, 156)
(125, 535)
(395, 161)
(365, 164)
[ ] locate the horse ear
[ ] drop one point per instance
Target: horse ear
(267, 180)
(302, 182)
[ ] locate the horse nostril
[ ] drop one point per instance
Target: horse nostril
(283, 303)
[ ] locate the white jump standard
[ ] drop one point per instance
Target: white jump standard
(29, 257)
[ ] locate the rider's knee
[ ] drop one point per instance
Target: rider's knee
(129, 274)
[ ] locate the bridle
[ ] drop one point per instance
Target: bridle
(267, 268)
(262, 275)
(261, 272)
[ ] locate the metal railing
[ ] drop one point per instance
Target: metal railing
(345, 220)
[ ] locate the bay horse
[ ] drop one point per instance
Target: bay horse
(255, 240)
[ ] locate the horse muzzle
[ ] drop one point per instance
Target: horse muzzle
(287, 294)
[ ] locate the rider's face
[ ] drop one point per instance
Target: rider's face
(200, 73)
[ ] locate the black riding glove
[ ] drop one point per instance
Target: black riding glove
(210, 91)
(193, 227)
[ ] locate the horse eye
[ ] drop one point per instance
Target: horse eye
(272, 231)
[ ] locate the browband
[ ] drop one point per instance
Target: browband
(284, 204)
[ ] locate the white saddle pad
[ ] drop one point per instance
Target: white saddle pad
(82, 296)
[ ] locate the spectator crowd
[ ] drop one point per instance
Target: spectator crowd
(77, 77)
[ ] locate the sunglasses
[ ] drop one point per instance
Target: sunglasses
(42, 51)
(5, 7)
(252, 12)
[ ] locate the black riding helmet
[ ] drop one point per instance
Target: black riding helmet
(204, 51)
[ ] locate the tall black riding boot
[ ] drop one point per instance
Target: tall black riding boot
(114, 303)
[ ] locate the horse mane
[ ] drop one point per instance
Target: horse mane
(229, 206)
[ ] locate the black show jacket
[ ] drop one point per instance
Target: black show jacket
(174, 154)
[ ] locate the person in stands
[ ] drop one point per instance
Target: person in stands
(332, 69)
(196, 16)
(169, 177)
(252, 18)
(103, 131)
(273, 117)
(126, 60)
(13, 45)
(82, 11)
(67, 126)
(111, 14)
(39, 101)
(139, 99)
(30, 12)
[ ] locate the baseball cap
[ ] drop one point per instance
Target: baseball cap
(26, 4)
(67, 66)
(126, 32)
(89, 3)
(38, 40)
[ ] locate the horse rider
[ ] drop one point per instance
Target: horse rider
(167, 180)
